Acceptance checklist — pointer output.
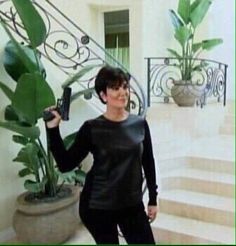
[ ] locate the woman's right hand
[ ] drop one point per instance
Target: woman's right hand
(56, 120)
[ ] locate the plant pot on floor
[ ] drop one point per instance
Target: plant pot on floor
(185, 94)
(47, 221)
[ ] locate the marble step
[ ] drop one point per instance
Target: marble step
(211, 164)
(204, 163)
(229, 118)
(171, 229)
(227, 129)
(198, 180)
(199, 206)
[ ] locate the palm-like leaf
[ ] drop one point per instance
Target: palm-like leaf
(68, 140)
(32, 132)
(6, 90)
(192, 15)
(13, 62)
(78, 75)
(176, 21)
(184, 10)
(211, 43)
(28, 155)
(199, 12)
(34, 186)
(32, 96)
(32, 21)
(183, 34)
(31, 67)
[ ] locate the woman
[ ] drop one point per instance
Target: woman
(121, 146)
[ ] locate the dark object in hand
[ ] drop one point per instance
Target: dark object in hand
(63, 106)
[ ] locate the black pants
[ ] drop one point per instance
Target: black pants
(133, 223)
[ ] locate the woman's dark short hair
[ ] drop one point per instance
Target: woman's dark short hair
(110, 77)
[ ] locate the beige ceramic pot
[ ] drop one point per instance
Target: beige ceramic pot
(185, 94)
(46, 222)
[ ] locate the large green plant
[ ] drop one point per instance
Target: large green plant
(30, 97)
(185, 21)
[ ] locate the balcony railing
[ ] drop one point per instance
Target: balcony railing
(209, 78)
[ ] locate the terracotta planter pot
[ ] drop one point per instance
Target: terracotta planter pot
(46, 222)
(185, 94)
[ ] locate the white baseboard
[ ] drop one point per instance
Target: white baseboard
(7, 234)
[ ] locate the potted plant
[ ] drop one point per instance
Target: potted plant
(47, 212)
(185, 21)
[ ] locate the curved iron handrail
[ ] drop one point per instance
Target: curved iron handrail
(69, 48)
(209, 78)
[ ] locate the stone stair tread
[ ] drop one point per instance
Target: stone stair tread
(195, 173)
(229, 125)
(220, 147)
(208, 231)
(199, 199)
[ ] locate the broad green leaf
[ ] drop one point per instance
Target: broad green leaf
(32, 132)
(20, 139)
(78, 75)
(74, 176)
(32, 21)
(174, 53)
(10, 114)
(69, 177)
(24, 57)
(176, 21)
(24, 172)
(32, 96)
(194, 5)
(80, 176)
(199, 12)
(33, 186)
(6, 90)
(184, 10)
(211, 43)
(13, 61)
(196, 47)
(68, 140)
(28, 155)
(183, 35)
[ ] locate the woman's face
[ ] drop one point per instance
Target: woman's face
(117, 96)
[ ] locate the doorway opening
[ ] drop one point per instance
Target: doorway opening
(116, 24)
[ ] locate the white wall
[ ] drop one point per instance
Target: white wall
(222, 17)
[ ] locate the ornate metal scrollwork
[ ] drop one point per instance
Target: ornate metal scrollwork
(208, 79)
(69, 48)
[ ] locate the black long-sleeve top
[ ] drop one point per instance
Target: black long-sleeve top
(120, 151)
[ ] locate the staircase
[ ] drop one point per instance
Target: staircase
(196, 196)
(197, 203)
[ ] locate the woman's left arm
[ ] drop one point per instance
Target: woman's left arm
(150, 172)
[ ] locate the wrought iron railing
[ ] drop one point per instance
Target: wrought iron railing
(209, 78)
(69, 48)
